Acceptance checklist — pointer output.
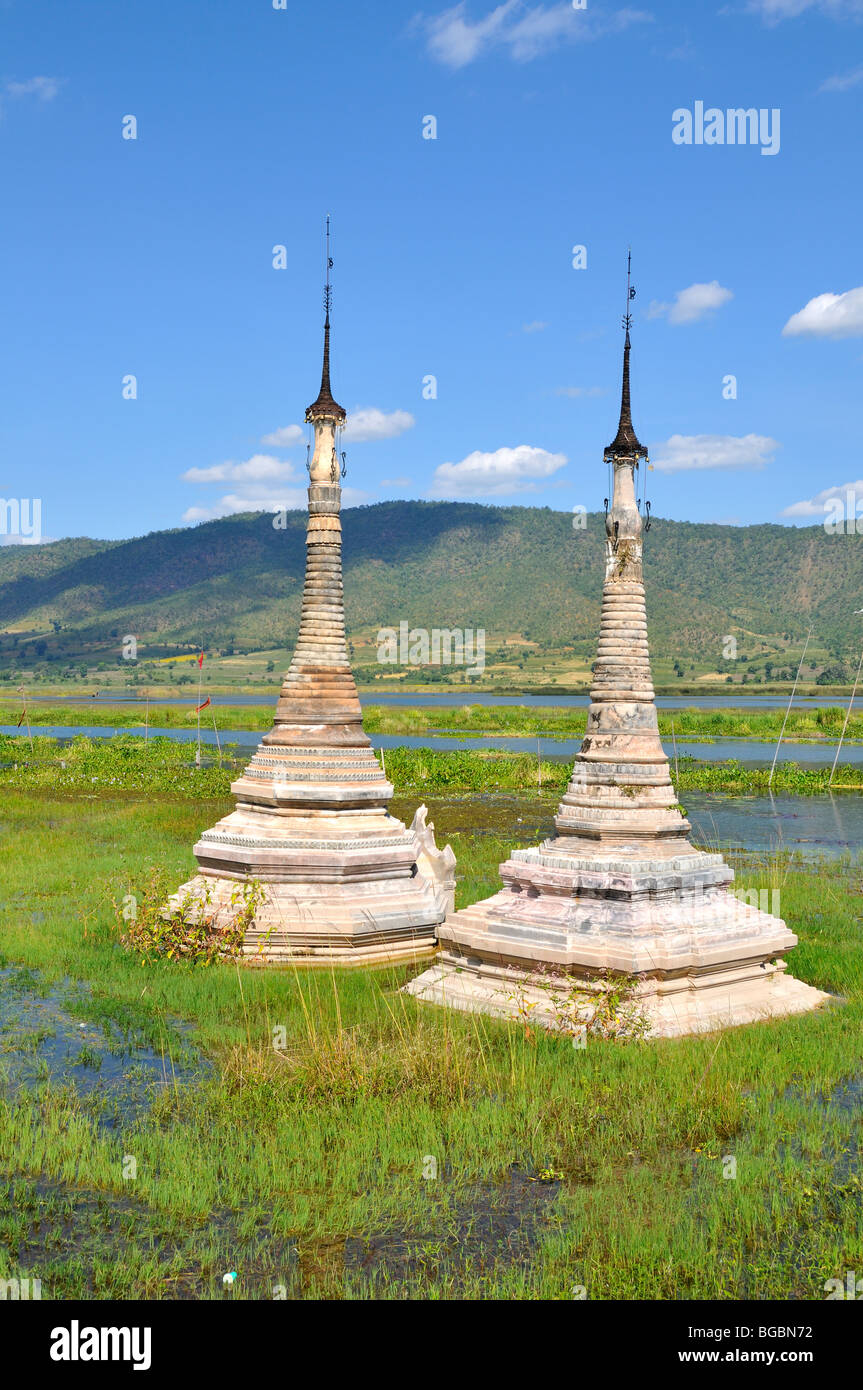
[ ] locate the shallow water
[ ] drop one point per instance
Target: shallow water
(43, 1042)
(460, 1230)
(812, 827)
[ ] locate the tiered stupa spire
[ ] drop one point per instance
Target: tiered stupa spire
(625, 444)
(343, 881)
(618, 890)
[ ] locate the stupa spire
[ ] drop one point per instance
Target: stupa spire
(326, 407)
(626, 443)
(341, 879)
(619, 891)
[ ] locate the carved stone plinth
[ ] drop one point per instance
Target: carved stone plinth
(562, 927)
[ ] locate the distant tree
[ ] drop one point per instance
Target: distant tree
(833, 675)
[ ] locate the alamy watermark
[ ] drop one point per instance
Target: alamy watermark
(734, 126)
(16, 1289)
(22, 517)
(848, 1288)
(417, 646)
(841, 514)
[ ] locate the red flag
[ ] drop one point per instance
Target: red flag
(200, 661)
(198, 708)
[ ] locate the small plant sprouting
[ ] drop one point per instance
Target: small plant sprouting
(190, 932)
(609, 1010)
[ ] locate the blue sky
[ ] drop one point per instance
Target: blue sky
(153, 257)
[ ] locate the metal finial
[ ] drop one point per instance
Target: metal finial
(325, 408)
(630, 292)
(328, 289)
(626, 444)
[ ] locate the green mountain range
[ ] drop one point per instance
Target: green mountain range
(523, 574)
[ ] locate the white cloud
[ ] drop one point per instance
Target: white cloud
(288, 499)
(772, 11)
(695, 451)
(526, 32)
(453, 40)
(291, 499)
(843, 82)
(850, 495)
(45, 88)
(285, 437)
(396, 482)
(828, 316)
(259, 468)
(693, 303)
(579, 392)
(536, 326)
(368, 424)
(489, 474)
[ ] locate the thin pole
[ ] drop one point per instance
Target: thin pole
(147, 720)
(218, 744)
(539, 766)
(22, 692)
(674, 744)
(847, 717)
(200, 678)
(788, 711)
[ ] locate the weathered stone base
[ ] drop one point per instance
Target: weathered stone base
(696, 956)
(669, 1008)
(338, 888)
(322, 923)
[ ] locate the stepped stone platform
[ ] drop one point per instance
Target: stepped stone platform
(619, 893)
(341, 880)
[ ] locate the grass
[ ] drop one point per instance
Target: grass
(517, 721)
(104, 716)
(520, 721)
(302, 1167)
(162, 767)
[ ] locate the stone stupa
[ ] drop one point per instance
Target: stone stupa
(342, 881)
(619, 891)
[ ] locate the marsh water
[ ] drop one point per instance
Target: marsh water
(49, 1037)
(811, 827)
(756, 753)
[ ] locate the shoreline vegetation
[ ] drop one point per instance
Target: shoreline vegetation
(85, 691)
(516, 721)
(126, 763)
